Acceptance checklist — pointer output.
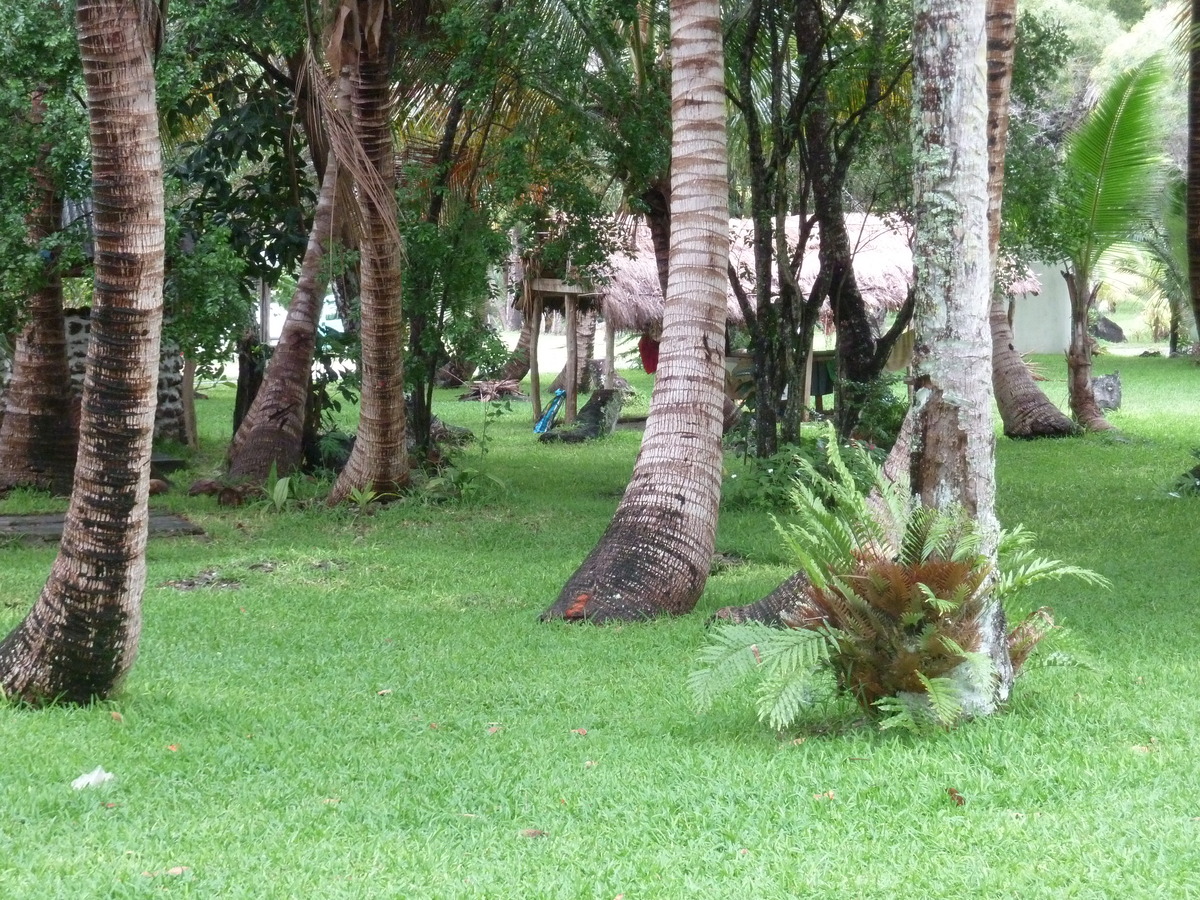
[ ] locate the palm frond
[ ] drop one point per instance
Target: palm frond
(1114, 161)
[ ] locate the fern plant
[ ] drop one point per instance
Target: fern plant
(895, 596)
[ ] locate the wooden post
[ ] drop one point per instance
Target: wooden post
(572, 314)
(610, 355)
(535, 331)
(808, 366)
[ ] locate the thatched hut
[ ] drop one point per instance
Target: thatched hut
(631, 300)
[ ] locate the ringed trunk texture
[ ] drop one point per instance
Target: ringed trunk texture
(37, 440)
(517, 366)
(272, 431)
(379, 460)
(953, 450)
(1024, 407)
(655, 556)
(1193, 160)
(1079, 357)
(80, 638)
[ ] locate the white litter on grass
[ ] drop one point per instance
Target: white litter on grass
(92, 779)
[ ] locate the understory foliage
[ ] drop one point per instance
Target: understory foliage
(890, 616)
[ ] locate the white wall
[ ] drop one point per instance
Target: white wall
(1042, 323)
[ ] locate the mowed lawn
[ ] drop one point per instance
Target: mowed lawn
(333, 704)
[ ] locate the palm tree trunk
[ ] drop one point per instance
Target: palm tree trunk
(272, 431)
(80, 638)
(379, 460)
(1024, 407)
(953, 452)
(37, 441)
(1079, 356)
(655, 556)
(517, 366)
(1193, 160)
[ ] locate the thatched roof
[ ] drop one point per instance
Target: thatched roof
(632, 300)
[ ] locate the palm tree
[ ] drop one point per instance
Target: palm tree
(81, 637)
(654, 557)
(37, 440)
(1112, 172)
(953, 448)
(379, 460)
(1024, 407)
(271, 433)
(1193, 158)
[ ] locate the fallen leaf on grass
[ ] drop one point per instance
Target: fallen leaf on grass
(495, 729)
(954, 795)
(174, 870)
(332, 800)
(589, 764)
(384, 692)
(117, 717)
(579, 731)
(174, 748)
(828, 795)
(532, 833)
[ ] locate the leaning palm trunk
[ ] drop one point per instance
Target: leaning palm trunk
(1193, 160)
(379, 460)
(37, 440)
(1024, 407)
(272, 431)
(655, 556)
(953, 453)
(81, 636)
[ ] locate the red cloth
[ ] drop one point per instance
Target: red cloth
(648, 348)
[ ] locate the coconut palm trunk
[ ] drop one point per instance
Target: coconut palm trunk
(953, 449)
(654, 557)
(272, 431)
(379, 460)
(1193, 160)
(1024, 408)
(80, 638)
(37, 438)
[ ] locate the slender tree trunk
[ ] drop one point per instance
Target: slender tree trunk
(80, 638)
(272, 431)
(1079, 355)
(1024, 407)
(379, 460)
(37, 440)
(655, 556)
(953, 454)
(517, 366)
(1193, 160)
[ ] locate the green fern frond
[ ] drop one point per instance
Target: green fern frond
(792, 664)
(944, 699)
(896, 713)
(1030, 571)
(731, 654)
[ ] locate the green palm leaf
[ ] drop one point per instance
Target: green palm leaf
(1114, 162)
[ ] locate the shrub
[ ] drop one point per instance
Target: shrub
(893, 608)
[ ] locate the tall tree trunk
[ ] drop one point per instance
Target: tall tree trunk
(953, 453)
(1024, 407)
(379, 460)
(1193, 160)
(655, 556)
(80, 638)
(37, 440)
(585, 349)
(272, 431)
(1079, 355)
(517, 366)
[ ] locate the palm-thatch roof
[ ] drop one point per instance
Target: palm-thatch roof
(632, 301)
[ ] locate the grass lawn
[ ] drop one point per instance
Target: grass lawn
(330, 704)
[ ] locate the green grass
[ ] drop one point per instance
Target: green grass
(277, 738)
